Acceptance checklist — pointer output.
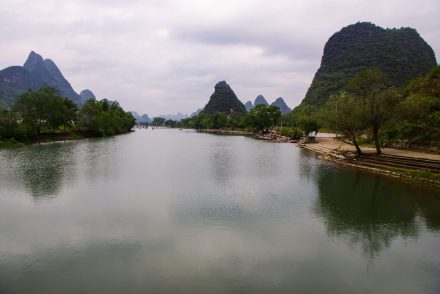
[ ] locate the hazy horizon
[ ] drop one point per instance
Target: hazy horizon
(164, 58)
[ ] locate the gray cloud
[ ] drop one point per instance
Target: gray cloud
(166, 56)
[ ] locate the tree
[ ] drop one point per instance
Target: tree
(9, 121)
(170, 123)
(377, 101)
(31, 106)
(70, 113)
(418, 115)
(343, 115)
(103, 118)
(274, 115)
(235, 121)
(45, 108)
(199, 122)
(308, 124)
(90, 120)
(217, 120)
(158, 121)
(259, 118)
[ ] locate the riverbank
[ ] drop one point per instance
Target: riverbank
(406, 164)
(50, 138)
(269, 136)
(44, 138)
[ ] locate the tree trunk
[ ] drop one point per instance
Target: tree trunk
(376, 139)
(356, 145)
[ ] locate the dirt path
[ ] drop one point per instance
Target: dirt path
(333, 144)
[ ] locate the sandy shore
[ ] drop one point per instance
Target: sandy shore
(336, 145)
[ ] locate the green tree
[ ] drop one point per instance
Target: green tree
(90, 118)
(377, 100)
(274, 115)
(259, 118)
(343, 114)
(218, 120)
(9, 121)
(45, 108)
(32, 107)
(308, 124)
(235, 121)
(170, 123)
(102, 118)
(70, 113)
(158, 121)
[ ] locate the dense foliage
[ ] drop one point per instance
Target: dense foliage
(418, 119)
(401, 54)
(45, 112)
(158, 122)
(263, 117)
(371, 111)
(102, 118)
(260, 119)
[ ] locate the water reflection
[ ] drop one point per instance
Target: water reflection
(102, 158)
(169, 211)
(373, 210)
(41, 169)
(222, 161)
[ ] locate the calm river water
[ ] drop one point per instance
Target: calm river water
(170, 211)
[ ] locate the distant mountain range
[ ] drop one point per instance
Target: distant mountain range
(141, 118)
(144, 118)
(260, 100)
(178, 116)
(34, 74)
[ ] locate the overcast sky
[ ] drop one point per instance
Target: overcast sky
(161, 57)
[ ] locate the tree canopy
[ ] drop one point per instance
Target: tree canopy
(46, 111)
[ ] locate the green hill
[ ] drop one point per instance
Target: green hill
(224, 100)
(400, 53)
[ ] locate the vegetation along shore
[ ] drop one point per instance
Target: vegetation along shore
(43, 116)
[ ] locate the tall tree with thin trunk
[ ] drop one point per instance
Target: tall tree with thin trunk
(376, 99)
(343, 115)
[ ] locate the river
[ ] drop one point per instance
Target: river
(176, 211)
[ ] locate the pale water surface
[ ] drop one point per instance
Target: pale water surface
(170, 211)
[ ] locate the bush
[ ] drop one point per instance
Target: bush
(291, 132)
